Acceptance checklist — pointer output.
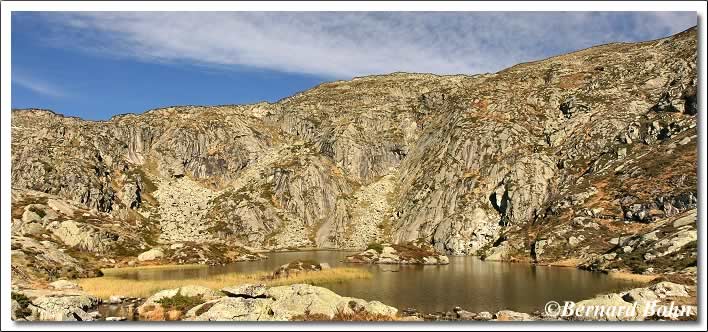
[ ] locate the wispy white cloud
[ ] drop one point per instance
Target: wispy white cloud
(352, 44)
(38, 86)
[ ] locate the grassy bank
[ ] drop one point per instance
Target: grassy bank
(119, 270)
(110, 284)
(643, 278)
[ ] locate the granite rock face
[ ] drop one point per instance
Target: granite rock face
(549, 159)
(53, 238)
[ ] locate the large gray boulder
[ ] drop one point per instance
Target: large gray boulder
(666, 289)
(150, 255)
(607, 301)
(64, 284)
(73, 307)
(239, 309)
(246, 291)
(282, 303)
(85, 237)
(30, 216)
(509, 315)
(294, 300)
(640, 295)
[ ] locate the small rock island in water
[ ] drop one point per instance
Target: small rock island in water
(414, 252)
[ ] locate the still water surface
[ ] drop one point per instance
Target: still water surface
(468, 282)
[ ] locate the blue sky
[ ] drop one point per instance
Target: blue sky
(98, 64)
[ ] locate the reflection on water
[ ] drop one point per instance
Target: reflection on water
(467, 282)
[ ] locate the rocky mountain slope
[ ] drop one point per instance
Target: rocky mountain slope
(569, 158)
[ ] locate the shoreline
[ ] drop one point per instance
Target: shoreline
(407, 313)
(303, 249)
(572, 263)
(567, 263)
(641, 278)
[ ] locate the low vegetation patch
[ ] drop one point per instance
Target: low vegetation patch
(414, 250)
(22, 311)
(636, 263)
(38, 211)
(180, 302)
(675, 278)
(375, 246)
(112, 284)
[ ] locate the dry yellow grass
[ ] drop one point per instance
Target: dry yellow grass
(109, 284)
(633, 276)
(118, 270)
(570, 262)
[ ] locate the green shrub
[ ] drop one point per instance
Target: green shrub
(180, 302)
(23, 311)
(39, 212)
(376, 246)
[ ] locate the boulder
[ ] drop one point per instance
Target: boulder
(194, 290)
(255, 302)
(574, 241)
(64, 284)
(465, 315)
(484, 315)
(621, 152)
(115, 299)
(685, 220)
(669, 289)
(177, 246)
(239, 309)
(246, 291)
(30, 216)
(294, 300)
(539, 247)
(61, 206)
(498, 253)
(152, 254)
(350, 305)
(606, 301)
(640, 295)
(84, 236)
(29, 228)
(63, 307)
(378, 308)
(508, 315)
(152, 304)
(199, 309)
